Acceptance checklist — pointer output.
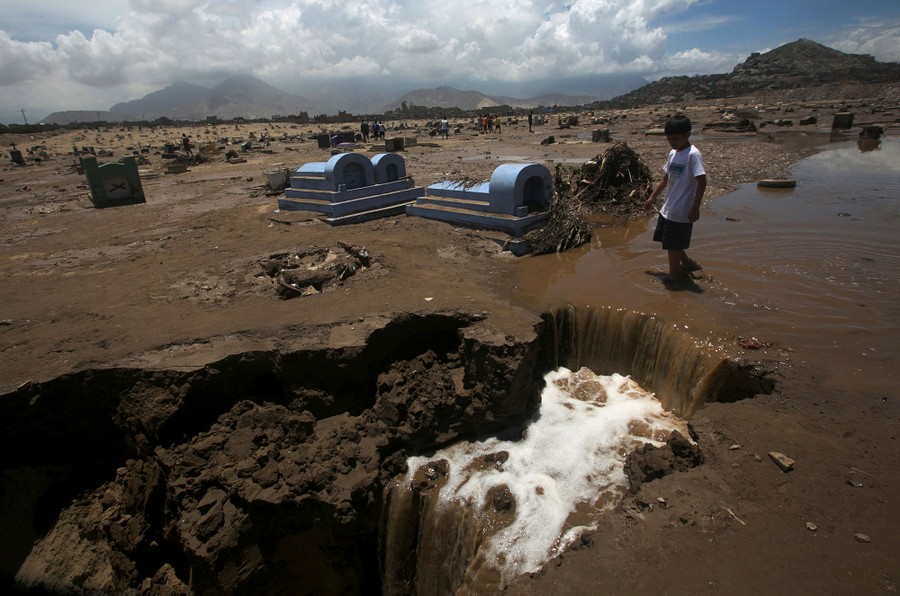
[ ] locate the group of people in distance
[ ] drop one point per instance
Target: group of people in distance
(487, 122)
(376, 129)
(490, 123)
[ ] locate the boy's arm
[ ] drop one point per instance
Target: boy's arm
(661, 187)
(694, 215)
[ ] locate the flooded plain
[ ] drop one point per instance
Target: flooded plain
(807, 275)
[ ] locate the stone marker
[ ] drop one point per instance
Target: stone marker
(600, 136)
(842, 120)
(113, 184)
(393, 144)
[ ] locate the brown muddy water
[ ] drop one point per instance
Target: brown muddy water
(812, 273)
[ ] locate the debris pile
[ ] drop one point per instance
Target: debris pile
(314, 269)
(615, 183)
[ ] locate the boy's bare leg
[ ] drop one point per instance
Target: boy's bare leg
(675, 257)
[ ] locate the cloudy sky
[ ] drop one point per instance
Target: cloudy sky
(91, 54)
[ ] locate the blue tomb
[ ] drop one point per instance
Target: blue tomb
(515, 200)
(350, 188)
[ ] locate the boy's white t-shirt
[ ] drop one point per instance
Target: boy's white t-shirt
(682, 167)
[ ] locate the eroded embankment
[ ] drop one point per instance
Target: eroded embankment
(265, 471)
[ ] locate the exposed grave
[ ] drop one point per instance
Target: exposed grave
(314, 270)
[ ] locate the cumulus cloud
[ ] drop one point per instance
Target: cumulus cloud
(149, 44)
(879, 39)
(696, 61)
(21, 62)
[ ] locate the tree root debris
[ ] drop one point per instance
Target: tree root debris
(615, 183)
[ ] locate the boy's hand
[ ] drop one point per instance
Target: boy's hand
(694, 214)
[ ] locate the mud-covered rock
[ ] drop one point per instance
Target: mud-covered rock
(651, 462)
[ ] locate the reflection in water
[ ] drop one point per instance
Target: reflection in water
(814, 271)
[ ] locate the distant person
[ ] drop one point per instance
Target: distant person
(497, 124)
(364, 129)
(529, 121)
(186, 143)
(445, 128)
(684, 182)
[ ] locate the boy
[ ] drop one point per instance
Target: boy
(684, 182)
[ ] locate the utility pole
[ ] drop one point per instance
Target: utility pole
(23, 116)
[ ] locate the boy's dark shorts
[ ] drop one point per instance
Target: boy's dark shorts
(674, 235)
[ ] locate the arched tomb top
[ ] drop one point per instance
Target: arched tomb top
(514, 185)
(346, 171)
(388, 167)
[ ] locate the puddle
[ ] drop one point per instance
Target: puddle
(814, 270)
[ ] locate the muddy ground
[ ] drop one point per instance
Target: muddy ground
(172, 297)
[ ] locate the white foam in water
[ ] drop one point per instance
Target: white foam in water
(572, 454)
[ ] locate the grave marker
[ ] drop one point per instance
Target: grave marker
(113, 184)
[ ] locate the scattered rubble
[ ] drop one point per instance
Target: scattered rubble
(314, 269)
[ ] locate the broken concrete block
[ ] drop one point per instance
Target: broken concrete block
(782, 461)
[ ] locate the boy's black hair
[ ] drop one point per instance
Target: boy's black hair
(679, 124)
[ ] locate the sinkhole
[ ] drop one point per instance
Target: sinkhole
(332, 469)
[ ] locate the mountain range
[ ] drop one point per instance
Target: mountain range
(802, 63)
(248, 97)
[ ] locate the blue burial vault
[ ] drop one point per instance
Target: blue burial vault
(350, 188)
(514, 201)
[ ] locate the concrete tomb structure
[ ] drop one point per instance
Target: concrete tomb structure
(514, 201)
(114, 183)
(350, 188)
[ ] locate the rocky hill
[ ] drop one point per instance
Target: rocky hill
(802, 64)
